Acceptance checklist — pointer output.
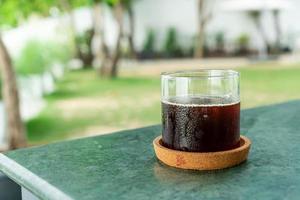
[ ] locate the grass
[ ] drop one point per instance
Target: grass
(268, 86)
(85, 104)
(82, 100)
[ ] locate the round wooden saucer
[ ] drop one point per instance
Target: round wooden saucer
(202, 161)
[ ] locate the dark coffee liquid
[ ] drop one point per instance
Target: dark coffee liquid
(201, 124)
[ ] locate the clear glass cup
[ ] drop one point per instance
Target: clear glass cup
(200, 110)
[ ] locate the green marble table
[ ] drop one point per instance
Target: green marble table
(123, 166)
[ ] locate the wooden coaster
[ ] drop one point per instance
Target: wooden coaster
(202, 161)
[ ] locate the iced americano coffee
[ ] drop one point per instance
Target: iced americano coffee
(201, 110)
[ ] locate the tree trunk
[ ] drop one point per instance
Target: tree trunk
(116, 56)
(256, 18)
(102, 54)
(89, 56)
(15, 127)
(110, 67)
(199, 50)
(277, 29)
(131, 31)
(119, 13)
(87, 59)
(203, 18)
(65, 4)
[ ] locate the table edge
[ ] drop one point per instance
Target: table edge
(29, 180)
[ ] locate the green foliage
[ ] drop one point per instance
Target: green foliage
(149, 44)
(255, 14)
(84, 47)
(12, 12)
(171, 41)
(171, 47)
(59, 52)
(111, 3)
(79, 3)
(243, 40)
(37, 57)
(220, 39)
(61, 4)
(33, 59)
(84, 41)
(127, 3)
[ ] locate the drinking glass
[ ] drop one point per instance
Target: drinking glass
(200, 110)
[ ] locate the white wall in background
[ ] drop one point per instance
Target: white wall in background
(181, 14)
(36, 29)
(31, 90)
(57, 70)
(160, 15)
(48, 83)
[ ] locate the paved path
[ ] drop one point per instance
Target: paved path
(155, 67)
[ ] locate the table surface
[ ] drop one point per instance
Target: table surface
(123, 165)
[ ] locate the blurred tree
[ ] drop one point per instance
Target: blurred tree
(256, 16)
(107, 59)
(12, 13)
(38, 56)
(204, 16)
(220, 41)
(102, 54)
(15, 127)
(109, 66)
(277, 30)
(82, 42)
(171, 45)
(243, 44)
(131, 19)
(110, 59)
(149, 45)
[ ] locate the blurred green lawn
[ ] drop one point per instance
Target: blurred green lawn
(84, 104)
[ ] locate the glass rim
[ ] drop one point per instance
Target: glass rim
(201, 73)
